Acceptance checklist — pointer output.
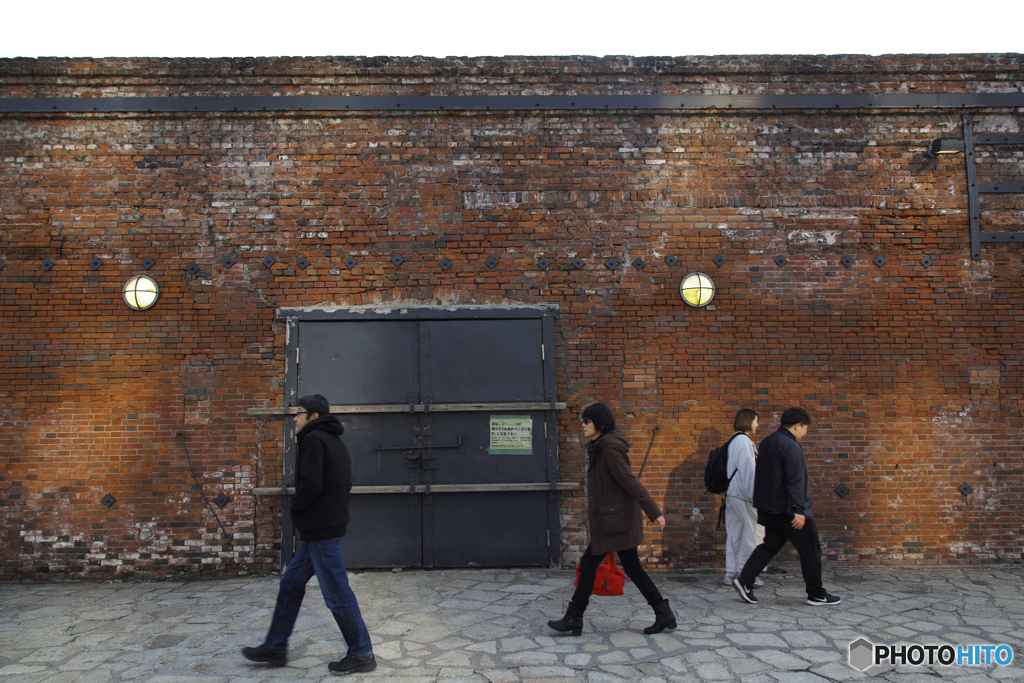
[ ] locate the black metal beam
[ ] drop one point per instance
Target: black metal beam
(973, 207)
(1002, 237)
(998, 139)
(332, 103)
(1001, 188)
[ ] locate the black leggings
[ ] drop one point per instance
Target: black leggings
(630, 561)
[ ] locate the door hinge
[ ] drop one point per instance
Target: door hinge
(296, 355)
(542, 352)
(545, 430)
(549, 538)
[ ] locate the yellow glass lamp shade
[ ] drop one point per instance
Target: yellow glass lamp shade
(697, 289)
(141, 292)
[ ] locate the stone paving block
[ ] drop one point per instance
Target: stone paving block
(580, 659)
(612, 657)
(627, 639)
(757, 640)
(797, 677)
(819, 656)
(839, 671)
(781, 660)
(500, 675)
(746, 665)
(535, 672)
(526, 658)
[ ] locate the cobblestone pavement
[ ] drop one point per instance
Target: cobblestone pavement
(489, 625)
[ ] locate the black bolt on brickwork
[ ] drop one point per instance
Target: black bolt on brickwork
(780, 260)
(192, 268)
(228, 261)
(108, 500)
(268, 261)
(879, 261)
(302, 262)
(719, 260)
(848, 261)
(96, 263)
(221, 500)
(445, 264)
(491, 261)
(965, 488)
(638, 263)
(48, 263)
(350, 263)
(543, 263)
(671, 260)
(397, 259)
(148, 263)
(926, 261)
(611, 264)
(2, 265)
(578, 263)
(842, 491)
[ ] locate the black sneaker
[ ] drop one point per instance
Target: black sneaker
(267, 655)
(745, 593)
(353, 665)
(826, 600)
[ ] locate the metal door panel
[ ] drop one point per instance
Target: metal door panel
(471, 463)
(355, 363)
(484, 361)
(385, 531)
(488, 529)
(376, 444)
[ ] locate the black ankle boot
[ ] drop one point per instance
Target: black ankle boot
(663, 618)
(572, 621)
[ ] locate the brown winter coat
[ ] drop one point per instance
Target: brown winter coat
(615, 496)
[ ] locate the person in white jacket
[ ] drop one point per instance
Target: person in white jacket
(740, 516)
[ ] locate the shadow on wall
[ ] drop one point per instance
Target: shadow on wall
(690, 510)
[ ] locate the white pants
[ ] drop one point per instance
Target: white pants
(741, 534)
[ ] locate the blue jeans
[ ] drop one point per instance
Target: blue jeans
(322, 558)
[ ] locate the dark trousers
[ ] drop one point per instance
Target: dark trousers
(806, 543)
(322, 558)
(630, 561)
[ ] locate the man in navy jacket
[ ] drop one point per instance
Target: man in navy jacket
(782, 496)
(323, 479)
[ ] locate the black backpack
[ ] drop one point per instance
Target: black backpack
(716, 476)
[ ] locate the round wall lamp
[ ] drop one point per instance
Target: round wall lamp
(697, 289)
(141, 292)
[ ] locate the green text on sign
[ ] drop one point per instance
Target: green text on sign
(511, 435)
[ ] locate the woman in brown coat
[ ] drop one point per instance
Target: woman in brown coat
(614, 500)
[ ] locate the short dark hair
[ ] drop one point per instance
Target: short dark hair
(601, 416)
(315, 403)
(795, 416)
(744, 420)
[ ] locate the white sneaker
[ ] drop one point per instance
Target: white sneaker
(759, 581)
(727, 581)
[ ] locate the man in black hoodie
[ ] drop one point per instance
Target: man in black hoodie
(782, 496)
(323, 479)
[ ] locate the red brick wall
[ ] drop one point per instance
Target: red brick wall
(911, 373)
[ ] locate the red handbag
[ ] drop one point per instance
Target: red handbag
(609, 580)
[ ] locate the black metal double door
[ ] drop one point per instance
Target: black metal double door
(450, 425)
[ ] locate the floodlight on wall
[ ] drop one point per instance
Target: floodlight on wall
(944, 146)
(140, 292)
(697, 289)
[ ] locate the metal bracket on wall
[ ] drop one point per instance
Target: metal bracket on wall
(974, 188)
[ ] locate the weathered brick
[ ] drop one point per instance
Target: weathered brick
(912, 374)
